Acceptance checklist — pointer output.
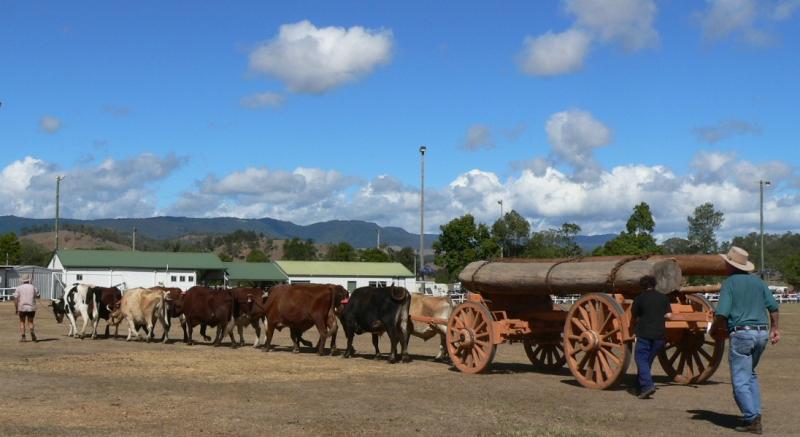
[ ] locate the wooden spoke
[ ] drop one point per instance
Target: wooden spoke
(545, 357)
(692, 356)
(469, 337)
(593, 329)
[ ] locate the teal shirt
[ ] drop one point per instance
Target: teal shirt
(743, 299)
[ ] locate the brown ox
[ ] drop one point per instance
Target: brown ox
(436, 307)
(105, 299)
(248, 309)
(141, 308)
(208, 307)
(301, 306)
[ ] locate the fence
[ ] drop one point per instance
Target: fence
(47, 282)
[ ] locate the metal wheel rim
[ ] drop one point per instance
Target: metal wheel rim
(593, 341)
(470, 338)
(696, 356)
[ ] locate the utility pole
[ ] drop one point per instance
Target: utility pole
(58, 199)
(761, 184)
(422, 150)
(502, 243)
(379, 238)
(134, 239)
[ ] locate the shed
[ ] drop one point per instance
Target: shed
(350, 275)
(129, 269)
(261, 275)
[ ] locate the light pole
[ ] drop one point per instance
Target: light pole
(502, 243)
(761, 184)
(58, 199)
(422, 150)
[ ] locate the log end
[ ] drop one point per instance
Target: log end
(668, 276)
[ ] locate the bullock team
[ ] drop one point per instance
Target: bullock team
(298, 307)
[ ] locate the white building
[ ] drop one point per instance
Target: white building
(129, 269)
(350, 275)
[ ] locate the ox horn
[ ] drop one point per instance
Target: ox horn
(108, 307)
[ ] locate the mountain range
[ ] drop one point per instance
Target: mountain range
(358, 233)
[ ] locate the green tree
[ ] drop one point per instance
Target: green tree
(554, 243)
(224, 257)
(461, 242)
(10, 248)
(702, 228)
(33, 254)
(676, 246)
(374, 255)
(341, 252)
(405, 256)
(636, 239)
(791, 270)
(299, 250)
(512, 232)
(257, 256)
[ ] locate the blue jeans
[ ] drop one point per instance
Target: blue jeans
(746, 348)
(646, 351)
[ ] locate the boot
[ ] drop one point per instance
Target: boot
(753, 427)
(33, 336)
(22, 338)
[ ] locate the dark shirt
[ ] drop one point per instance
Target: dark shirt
(648, 310)
(743, 299)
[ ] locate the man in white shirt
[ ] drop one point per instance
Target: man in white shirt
(25, 305)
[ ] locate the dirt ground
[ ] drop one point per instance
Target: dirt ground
(65, 386)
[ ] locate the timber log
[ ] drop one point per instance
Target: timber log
(567, 276)
(691, 265)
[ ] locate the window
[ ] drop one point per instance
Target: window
(190, 278)
(377, 283)
(351, 285)
(174, 279)
(79, 277)
(183, 278)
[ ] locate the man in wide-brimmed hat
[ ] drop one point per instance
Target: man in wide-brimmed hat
(740, 314)
(25, 305)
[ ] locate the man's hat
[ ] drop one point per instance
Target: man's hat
(737, 257)
(26, 277)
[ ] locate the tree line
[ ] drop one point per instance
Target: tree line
(463, 240)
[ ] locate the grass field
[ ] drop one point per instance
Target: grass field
(65, 386)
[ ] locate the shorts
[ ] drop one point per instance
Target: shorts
(27, 315)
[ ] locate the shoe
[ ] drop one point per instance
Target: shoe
(752, 427)
(33, 336)
(22, 339)
(645, 394)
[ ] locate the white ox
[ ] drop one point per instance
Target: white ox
(141, 308)
(437, 307)
(75, 304)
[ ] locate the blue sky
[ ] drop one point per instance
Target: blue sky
(565, 110)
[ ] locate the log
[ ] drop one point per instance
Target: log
(691, 265)
(709, 288)
(568, 277)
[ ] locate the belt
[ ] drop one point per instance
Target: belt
(751, 328)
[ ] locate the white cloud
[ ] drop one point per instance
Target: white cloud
(554, 53)
(314, 60)
(262, 100)
(628, 22)
(725, 129)
(49, 124)
(573, 135)
(750, 21)
(479, 136)
(110, 188)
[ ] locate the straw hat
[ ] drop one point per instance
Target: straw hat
(737, 257)
(26, 277)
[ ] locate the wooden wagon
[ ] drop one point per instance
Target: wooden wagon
(510, 300)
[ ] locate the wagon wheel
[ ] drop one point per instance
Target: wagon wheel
(692, 356)
(470, 331)
(546, 355)
(593, 341)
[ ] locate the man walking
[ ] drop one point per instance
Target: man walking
(650, 311)
(25, 305)
(741, 315)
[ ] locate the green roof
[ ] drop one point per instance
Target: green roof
(139, 260)
(341, 268)
(255, 272)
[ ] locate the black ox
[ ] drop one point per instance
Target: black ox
(378, 310)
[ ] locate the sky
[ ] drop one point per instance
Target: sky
(566, 111)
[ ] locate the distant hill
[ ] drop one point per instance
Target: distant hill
(360, 234)
(589, 242)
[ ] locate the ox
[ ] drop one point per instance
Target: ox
(173, 297)
(301, 306)
(104, 300)
(435, 307)
(141, 307)
(248, 309)
(206, 306)
(67, 306)
(88, 302)
(378, 310)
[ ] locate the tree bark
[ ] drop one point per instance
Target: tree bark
(691, 265)
(538, 277)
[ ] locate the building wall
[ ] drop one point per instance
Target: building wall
(131, 278)
(408, 283)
